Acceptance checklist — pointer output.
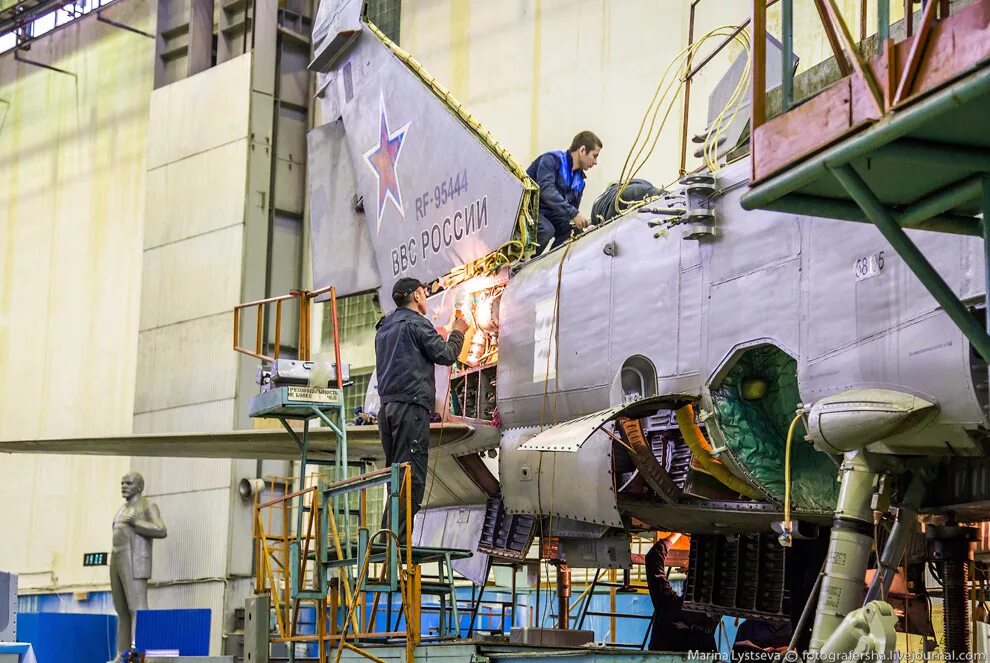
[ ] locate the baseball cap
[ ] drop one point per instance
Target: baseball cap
(405, 286)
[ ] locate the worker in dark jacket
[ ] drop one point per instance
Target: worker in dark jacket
(407, 348)
(561, 178)
(674, 629)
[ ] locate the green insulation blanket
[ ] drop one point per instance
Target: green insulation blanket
(755, 430)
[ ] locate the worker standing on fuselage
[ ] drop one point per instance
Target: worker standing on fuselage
(561, 177)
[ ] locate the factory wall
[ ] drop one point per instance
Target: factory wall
(535, 72)
(72, 200)
(196, 247)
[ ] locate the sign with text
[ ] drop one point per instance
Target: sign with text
(96, 559)
(434, 195)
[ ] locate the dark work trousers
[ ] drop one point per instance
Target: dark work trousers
(545, 231)
(405, 433)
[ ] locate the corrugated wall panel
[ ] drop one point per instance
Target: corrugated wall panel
(165, 476)
(201, 595)
(186, 363)
(199, 418)
(201, 112)
(196, 546)
(192, 278)
(200, 193)
(187, 371)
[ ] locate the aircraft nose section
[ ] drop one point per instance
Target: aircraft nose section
(857, 418)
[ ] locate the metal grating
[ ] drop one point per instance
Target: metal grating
(354, 395)
(505, 534)
(744, 576)
(386, 14)
(357, 316)
(669, 448)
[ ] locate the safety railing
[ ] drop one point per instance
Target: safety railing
(262, 308)
(319, 562)
(877, 86)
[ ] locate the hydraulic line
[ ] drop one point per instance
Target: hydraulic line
(904, 526)
(699, 446)
(787, 472)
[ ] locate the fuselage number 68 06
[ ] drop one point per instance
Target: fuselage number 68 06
(869, 266)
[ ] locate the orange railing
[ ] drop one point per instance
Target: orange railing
(341, 603)
(304, 298)
(876, 86)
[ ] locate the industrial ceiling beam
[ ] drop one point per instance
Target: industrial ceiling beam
(130, 28)
(23, 13)
(43, 65)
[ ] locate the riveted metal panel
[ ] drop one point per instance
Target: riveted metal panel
(749, 241)
(928, 358)
(580, 378)
(192, 278)
(843, 309)
(763, 304)
(336, 228)
(574, 529)
(336, 24)
(610, 552)
(423, 224)
(543, 482)
(635, 247)
(689, 321)
(185, 363)
(972, 271)
(448, 485)
(457, 528)
(571, 435)
(196, 545)
(446, 482)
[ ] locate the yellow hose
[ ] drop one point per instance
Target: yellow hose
(695, 440)
(787, 472)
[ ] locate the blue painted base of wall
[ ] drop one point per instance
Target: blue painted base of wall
(79, 638)
(94, 603)
(187, 631)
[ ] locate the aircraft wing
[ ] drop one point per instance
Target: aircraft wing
(274, 444)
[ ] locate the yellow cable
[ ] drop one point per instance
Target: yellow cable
(640, 153)
(787, 471)
(720, 125)
(696, 442)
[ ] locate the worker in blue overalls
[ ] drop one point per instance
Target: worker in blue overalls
(561, 178)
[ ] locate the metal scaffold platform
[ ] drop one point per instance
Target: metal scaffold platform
(318, 541)
(901, 140)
